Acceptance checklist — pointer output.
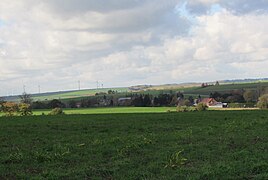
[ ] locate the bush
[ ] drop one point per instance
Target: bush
(185, 102)
(263, 102)
(56, 111)
(182, 109)
(185, 109)
(24, 109)
(201, 107)
(236, 105)
(9, 108)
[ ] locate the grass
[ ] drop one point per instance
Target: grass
(77, 94)
(69, 95)
(112, 110)
(226, 88)
(193, 145)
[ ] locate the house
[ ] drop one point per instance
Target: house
(211, 102)
(124, 101)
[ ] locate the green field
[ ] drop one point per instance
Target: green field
(112, 110)
(226, 88)
(223, 88)
(77, 94)
(193, 145)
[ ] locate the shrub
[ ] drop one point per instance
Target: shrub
(201, 107)
(9, 108)
(56, 111)
(185, 109)
(235, 105)
(182, 109)
(263, 102)
(24, 109)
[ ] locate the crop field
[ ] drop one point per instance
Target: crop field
(192, 145)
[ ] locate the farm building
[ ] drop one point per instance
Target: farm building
(125, 101)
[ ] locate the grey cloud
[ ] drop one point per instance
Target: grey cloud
(236, 6)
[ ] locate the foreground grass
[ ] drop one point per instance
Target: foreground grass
(194, 145)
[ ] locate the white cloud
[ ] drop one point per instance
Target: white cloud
(42, 42)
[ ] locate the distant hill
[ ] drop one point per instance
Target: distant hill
(192, 88)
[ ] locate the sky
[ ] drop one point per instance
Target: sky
(56, 43)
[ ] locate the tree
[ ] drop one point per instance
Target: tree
(55, 103)
(249, 96)
(25, 98)
(174, 100)
(217, 83)
(191, 99)
(263, 102)
(137, 101)
(39, 105)
(180, 95)
(147, 100)
(72, 104)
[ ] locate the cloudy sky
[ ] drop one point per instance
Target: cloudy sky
(55, 43)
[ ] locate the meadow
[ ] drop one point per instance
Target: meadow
(192, 145)
(109, 110)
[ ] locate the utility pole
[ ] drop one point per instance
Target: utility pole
(97, 84)
(39, 89)
(24, 88)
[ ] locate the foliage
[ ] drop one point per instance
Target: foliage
(185, 109)
(176, 160)
(24, 109)
(56, 111)
(201, 107)
(263, 102)
(39, 105)
(55, 103)
(110, 91)
(10, 108)
(25, 98)
(72, 104)
(187, 102)
(163, 100)
(249, 96)
(141, 100)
